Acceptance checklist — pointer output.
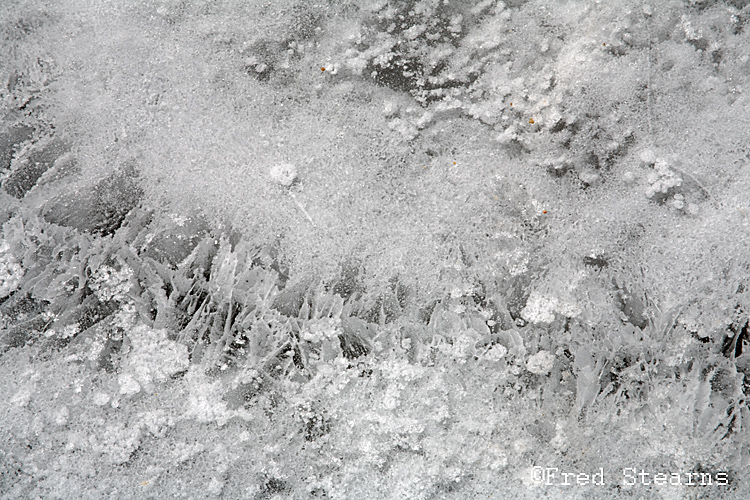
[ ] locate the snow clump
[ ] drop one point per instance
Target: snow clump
(108, 283)
(153, 358)
(541, 363)
(284, 174)
(662, 179)
(11, 271)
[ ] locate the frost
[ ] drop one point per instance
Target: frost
(420, 388)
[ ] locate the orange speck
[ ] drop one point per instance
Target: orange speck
(544, 211)
(511, 104)
(531, 120)
(322, 69)
(604, 45)
(454, 162)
